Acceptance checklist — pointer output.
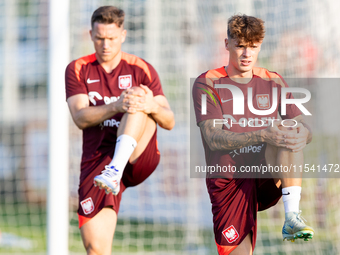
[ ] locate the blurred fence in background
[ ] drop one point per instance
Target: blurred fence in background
(170, 212)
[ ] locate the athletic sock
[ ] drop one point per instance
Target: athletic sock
(125, 145)
(291, 198)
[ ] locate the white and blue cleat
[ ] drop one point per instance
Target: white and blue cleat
(295, 228)
(109, 180)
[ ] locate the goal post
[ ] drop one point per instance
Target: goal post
(58, 129)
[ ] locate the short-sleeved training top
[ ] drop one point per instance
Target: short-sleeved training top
(86, 76)
(218, 97)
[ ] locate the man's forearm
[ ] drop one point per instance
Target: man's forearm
(219, 139)
(94, 115)
(164, 117)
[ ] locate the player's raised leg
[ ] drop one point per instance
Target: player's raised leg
(294, 226)
(134, 133)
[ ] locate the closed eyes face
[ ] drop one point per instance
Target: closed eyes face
(107, 40)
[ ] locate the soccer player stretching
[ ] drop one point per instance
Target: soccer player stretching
(117, 100)
(236, 135)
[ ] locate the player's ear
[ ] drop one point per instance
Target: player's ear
(226, 43)
(123, 35)
(90, 32)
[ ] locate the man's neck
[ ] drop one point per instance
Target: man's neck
(109, 66)
(238, 76)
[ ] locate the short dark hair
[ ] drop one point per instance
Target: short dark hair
(245, 28)
(108, 15)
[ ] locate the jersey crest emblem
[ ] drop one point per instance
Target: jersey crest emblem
(263, 101)
(125, 81)
(87, 205)
(230, 234)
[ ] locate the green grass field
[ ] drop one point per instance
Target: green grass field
(28, 223)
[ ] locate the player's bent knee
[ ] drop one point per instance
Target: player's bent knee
(289, 126)
(138, 89)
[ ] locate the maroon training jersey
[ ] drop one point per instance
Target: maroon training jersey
(87, 76)
(227, 101)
